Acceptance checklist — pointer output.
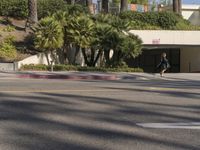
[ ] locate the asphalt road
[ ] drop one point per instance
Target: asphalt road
(38, 114)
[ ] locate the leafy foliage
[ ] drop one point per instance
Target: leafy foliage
(7, 49)
(147, 20)
(14, 8)
(48, 34)
(19, 8)
(47, 7)
(41, 67)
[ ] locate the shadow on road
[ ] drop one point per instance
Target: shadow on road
(78, 122)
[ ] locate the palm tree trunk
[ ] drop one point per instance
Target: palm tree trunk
(175, 6)
(32, 11)
(85, 56)
(89, 4)
(105, 6)
(70, 1)
(180, 7)
(124, 6)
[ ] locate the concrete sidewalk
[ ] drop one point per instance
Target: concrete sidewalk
(99, 76)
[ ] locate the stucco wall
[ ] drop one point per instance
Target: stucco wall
(36, 59)
(190, 59)
(168, 37)
(191, 15)
(8, 66)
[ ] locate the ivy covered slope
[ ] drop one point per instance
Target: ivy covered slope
(157, 21)
(143, 21)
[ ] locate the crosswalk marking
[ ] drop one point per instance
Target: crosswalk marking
(179, 125)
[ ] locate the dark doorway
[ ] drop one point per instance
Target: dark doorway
(150, 58)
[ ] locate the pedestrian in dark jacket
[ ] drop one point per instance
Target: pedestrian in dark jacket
(164, 64)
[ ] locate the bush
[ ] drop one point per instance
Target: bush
(19, 8)
(46, 7)
(9, 28)
(167, 20)
(41, 67)
(164, 20)
(7, 51)
(14, 8)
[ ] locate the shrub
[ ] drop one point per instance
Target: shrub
(14, 8)
(19, 8)
(41, 67)
(46, 7)
(164, 20)
(9, 28)
(167, 20)
(7, 51)
(9, 39)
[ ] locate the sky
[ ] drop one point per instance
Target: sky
(183, 1)
(191, 1)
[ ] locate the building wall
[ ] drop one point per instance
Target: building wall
(189, 13)
(168, 37)
(190, 59)
(35, 59)
(8, 66)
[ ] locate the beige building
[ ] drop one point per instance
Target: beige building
(182, 48)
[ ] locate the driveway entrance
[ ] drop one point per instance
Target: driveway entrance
(150, 58)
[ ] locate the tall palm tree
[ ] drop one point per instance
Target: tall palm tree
(124, 4)
(105, 6)
(177, 6)
(89, 4)
(180, 6)
(32, 11)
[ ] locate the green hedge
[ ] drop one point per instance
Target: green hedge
(78, 68)
(165, 20)
(19, 8)
(46, 7)
(14, 8)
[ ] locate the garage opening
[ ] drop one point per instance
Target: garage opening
(150, 58)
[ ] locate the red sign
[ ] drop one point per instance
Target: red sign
(156, 41)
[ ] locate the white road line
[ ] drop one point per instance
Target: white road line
(189, 125)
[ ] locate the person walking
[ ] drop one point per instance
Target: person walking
(164, 64)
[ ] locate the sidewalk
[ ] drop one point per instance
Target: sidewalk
(99, 76)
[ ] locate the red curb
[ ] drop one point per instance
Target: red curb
(69, 77)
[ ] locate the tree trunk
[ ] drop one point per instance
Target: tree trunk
(70, 2)
(124, 5)
(105, 6)
(89, 4)
(85, 56)
(180, 7)
(175, 6)
(32, 11)
(47, 57)
(97, 57)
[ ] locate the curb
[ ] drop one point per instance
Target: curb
(69, 77)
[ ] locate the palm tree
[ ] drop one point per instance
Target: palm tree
(48, 37)
(70, 1)
(124, 4)
(89, 4)
(32, 11)
(180, 6)
(81, 33)
(105, 8)
(177, 4)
